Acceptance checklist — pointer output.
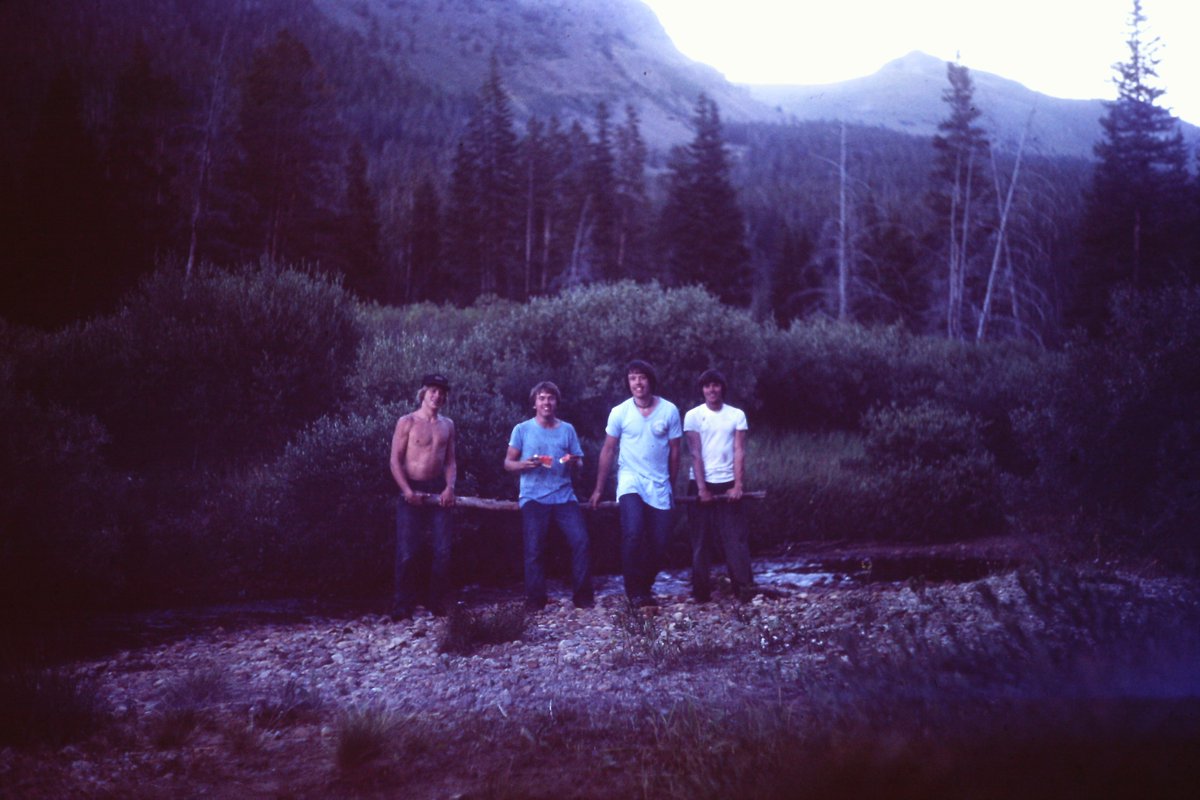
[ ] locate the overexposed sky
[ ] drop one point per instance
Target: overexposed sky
(1063, 48)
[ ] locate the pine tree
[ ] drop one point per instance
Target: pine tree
(463, 229)
(493, 140)
(1136, 223)
(423, 248)
(633, 202)
(702, 225)
(142, 156)
(60, 259)
(361, 230)
(959, 177)
(286, 138)
(602, 180)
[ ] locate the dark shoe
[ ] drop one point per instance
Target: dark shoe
(645, 601)
(584, 602)
(746, 593)
(400, 614)
(534, 606)
(701, 597)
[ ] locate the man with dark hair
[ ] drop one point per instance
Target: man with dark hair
(545, 450)
(423, 465)
(716, 437)
(642, 435)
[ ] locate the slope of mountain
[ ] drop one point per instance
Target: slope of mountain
(906, 95)
(556, 56)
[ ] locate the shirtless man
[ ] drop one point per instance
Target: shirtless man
(423, 464)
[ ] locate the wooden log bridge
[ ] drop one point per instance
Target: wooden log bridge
(488, 504)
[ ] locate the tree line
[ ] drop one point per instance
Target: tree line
(263, 161)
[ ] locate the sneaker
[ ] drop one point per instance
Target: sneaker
(584, 602)
(534, 606)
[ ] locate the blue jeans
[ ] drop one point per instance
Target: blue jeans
(535, 523)
(725, 522)
(423, 533)
(645, 531)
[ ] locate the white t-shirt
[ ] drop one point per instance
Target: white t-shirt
(716, 429)
(642, 463)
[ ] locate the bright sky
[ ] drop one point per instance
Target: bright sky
(1063, 48)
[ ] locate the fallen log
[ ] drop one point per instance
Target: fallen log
(488, 504)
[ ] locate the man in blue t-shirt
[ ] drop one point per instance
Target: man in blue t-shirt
(545, 451)
(642, 435)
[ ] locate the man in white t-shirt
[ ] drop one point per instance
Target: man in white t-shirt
(642, 435)
(716, 437)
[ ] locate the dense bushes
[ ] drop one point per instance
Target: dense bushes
(1119, 436)
(231, 432)
(211, 370)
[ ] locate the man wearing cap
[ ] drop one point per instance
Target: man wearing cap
(716, 437)
(423, 466)
(545, 451)
(642, 435)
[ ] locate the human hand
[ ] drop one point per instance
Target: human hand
(413, 498)
(735, 493)
(706, 496)
(446, 499)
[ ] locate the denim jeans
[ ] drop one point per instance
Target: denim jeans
(645, 531)
(423, 535)
(535, 523)
(723, 521)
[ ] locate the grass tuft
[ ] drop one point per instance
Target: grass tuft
(364, 735)
(467, 629)
(185, 701)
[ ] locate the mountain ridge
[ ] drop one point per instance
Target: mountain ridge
(905, 95)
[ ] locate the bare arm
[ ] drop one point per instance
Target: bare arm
(514, 463)
(694, 447)
(603, 466)
(672, 462)
(739, 465)
(399, 449)
(450, 467)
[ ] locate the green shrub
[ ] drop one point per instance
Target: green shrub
(65, 541)
(581, 339)
(211, 370)
(1119, 435)
(48, 706)
(930, 474)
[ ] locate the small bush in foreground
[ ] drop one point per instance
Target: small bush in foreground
(46, 706)
(185, 701)
(293, 703)
(363, 735)
(467, 629)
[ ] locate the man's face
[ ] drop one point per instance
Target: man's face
(714, 393)
(639, 385)
(435, 396)
(545, 405)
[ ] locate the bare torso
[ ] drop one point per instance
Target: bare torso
(425, 445)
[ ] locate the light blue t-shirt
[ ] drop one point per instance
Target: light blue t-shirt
(642, 464)
(552, 484)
